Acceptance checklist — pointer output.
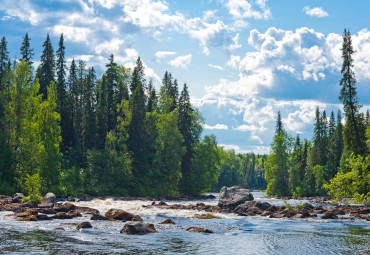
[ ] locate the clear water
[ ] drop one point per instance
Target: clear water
(233, 234)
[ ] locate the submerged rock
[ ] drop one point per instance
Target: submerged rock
(116, 214)
(138, 229)
(84, 224)
(207, 216)
(199, 230)
(98, 217)
(234, 196)
(329, 215)
(167, 221)
(29, 218)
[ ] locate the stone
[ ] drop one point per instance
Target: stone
(84, 224)
(207, 216)
(66, 207)
(167, 221)
(86, 210)
(26, 213)
(30, 204)
(29, 218)
(234, 196)
(49, 198)
(137, 229)
(137, 218)
(116, 214)
(18, 195)
(42, 217)
(199, 230)
(75, 214)
(98, 217)
(329, 215)
(62, 215)
(162, 203)
(46, 210)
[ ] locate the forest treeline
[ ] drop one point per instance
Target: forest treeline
(337, 160)
(64, 130)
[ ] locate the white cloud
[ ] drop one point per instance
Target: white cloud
(217, 127)
(241, 9)
(315, 12)
(151, 15)
(234, 147)
(234, 61)
(163, 54)
(235, 44)
(181, 61)
(216, 67)
(209, 35)
(74, 34)
(24, 10)
(246, 128)
(108, 47)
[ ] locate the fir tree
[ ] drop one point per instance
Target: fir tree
(46, 70)
(279, 124)
(26, 50)
(4, 59)
(354, 131)
(111, 80)
(61, 90)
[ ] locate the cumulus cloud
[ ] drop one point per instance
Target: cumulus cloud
(108, 47)
(181, 61)
(24, 10)
(241, 9)
(151, 15)
(217, 127)
(235, 43)
(315, 12)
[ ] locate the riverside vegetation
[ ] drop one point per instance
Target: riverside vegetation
(76, 134)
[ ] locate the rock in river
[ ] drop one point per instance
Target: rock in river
(199, 230)
(84, 224)
(234, 196)
(116, 214)
(138, 229)
(49, 198)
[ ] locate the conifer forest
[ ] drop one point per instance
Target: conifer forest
(66, 130)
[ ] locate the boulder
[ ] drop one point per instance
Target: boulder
(138, 229)
(49, 198)
(98, 217)
(234, 196)
(167, 221)
(66, 207)
(42, 217)
(18, 195)
(199, 230)
(26, 213)
(84, 224)
(29, 218)
(116, 214)
(162, 203)
(137, 218)
(206, 216)
(329, 216)
(30, 204)
(62, 215)
(86, 210)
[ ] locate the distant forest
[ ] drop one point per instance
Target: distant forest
(64, 130)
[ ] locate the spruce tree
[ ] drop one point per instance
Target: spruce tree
(4, 59)
(111, 80)
(152, 98)
(46, 70)
(69, 134)
(279, 124)
(101, 113)
(88, 117)
(339, 141)
(26, 50)
(354, 131)
(61, 92)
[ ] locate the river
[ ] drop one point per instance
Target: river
(232, 234)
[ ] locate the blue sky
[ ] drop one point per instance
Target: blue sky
(243, 60)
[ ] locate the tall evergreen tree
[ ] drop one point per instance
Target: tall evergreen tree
(26, 50)
(339, 141)
(279, 124)
(88, 117)
(4, 59)
(60, 87)
(46, 70)
(69, 134)
(111, 80)
(101, 112)
(152, 98)
(354, 131)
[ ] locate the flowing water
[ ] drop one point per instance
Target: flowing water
(232, 234)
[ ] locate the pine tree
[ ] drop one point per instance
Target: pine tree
(46, 70)
(61, 90)
(354, 130)
(152, 98)
(4, 58)
(88, 117)
(111, 80)
(189, 124)
(339, 141)
(72, 99)
(137, 136)
(279, 124)
(26, 50)
(102, 119)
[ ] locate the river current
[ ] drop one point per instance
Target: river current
(232, 234)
